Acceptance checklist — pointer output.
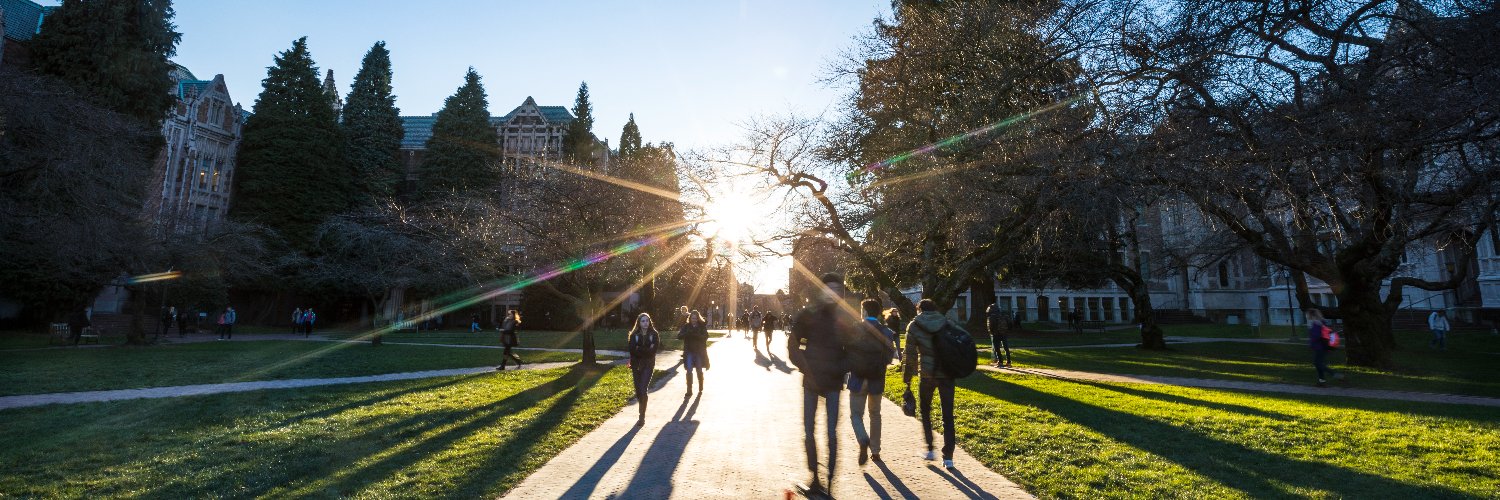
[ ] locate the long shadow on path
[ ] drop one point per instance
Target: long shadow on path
(590, 479)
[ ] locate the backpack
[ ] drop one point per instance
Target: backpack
(957, 356)
(1333, 338)
(868, 350)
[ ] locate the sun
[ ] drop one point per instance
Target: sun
(731, 218)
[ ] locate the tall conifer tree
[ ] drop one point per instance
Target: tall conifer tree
(114, 51)
(372, 127)
(630, 138)
(578, 143)
(464, 150)
(291, 172)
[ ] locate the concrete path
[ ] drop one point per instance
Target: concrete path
(1332, 390)
(742, 438)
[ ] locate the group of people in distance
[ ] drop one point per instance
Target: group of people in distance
(754, 323)
(223, 325)
(303, 321)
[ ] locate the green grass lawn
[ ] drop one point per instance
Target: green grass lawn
(66, 369)
(473, 436)
(1064, 439)
(1467, 367)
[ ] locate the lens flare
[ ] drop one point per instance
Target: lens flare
(960, 138)
(147, 278)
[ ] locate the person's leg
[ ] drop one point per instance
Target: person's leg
(873, 399)
(505, 358)
(700, 378)
(995, 350)
(857, 400)
(950, 436)
(642, 375)
(831, 407)
(924, 405)
(687, 368)
(1443, 339)
(1005, 342)
(809, 427)
(1320, 362)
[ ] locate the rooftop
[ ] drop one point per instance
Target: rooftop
(23, 18)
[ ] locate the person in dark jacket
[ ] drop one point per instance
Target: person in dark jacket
(168, 316)
(995, 321)
(921, 359)
(76, 323)
(869, 392)
(182, 323)
(643, 341)
(694, 336)
(1319, 346)
(770, 326)
(510, 338)
(814, 347)
(744, 325)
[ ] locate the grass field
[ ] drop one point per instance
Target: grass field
(473, 436)
(1065, 439)
(1467, 367)
(62, 370)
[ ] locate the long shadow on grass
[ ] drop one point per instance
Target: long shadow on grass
(1173, 398)
(374, 399)
(1231, 464)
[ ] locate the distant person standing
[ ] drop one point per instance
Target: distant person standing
(182, 322)
(868, 391)
(694, 336)
(921, 360)
(814, 345)
(1320, 347)
(771, 320)
(308, 319)
(76, 323)
(1438, 322)
(230, 317)
(168, 316)
(510, 338)
(995, 321)
(297, 321)
(643, 341)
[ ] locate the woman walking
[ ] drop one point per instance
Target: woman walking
(509, 339)
(694, 336)
(297, 321)
(1320, 347)
(643, 342)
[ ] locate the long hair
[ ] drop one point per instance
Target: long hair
(515, 315)
(1314, 315)
(636, 326)
(695, 317)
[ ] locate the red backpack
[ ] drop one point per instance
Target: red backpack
(1333, 338)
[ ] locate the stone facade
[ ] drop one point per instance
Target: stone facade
(197, 166)
(530, 136)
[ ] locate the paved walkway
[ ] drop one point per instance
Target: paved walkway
(1421, 397)
(742, 438)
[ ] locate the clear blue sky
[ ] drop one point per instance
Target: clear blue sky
(689, 70)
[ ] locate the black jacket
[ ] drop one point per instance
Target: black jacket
(814, 347)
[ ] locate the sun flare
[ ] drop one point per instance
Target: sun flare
(731, 217)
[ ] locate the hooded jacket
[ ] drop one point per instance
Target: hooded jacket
(919, 356)
(814, 347)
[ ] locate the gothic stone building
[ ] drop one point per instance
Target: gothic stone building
(196, 167)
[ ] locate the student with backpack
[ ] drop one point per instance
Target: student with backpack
(1321, 339)
(643, 341)
(995, 321)
(869, 352)
(938, 351)
(509, 338)
(694, 336)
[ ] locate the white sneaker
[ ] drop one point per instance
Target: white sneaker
(930, 456)
(948, 464)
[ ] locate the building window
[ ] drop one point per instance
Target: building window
(1224, 274)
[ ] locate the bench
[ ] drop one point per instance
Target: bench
(90, 334)
(60, 333)
(1092, 325)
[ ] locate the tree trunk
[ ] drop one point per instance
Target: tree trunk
(981, 296)
(1145, 314)
(1367, 323)
(137, 333)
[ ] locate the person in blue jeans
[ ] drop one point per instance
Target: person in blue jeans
(813, 344)
(1319, 347)
(869, 392)
(1438, 322)
(643, 342)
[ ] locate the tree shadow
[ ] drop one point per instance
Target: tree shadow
(585, 485)
(375, 399)
(963, 484)
(1174, 398)
(1231, 464)
(653, 477)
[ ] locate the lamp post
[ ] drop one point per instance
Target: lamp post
(1290, 316)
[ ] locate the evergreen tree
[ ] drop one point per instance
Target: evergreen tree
(630, 138)
(291, 170)
(113, 51)
(372, 127)
(578, 143)
(464, 151)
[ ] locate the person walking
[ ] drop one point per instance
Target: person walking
(168, 316)
(1438, 323)
(744, 323)
(297, 321)
(474, 323)
(76, 323)
(920, 359)
(757, 320)
(694, 336)
(231, 317)
(868, 391)
(814, 345)
(219, 326)
(1319, 346)
(995, 321)
(643, 341)
(770, 321)
(182, 322)
(308, 318)
(510, 338)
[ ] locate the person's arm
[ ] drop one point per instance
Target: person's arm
(909, 354)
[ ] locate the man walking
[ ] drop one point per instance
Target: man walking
(1438, 322)
(168, 316)
(229, 318)
(920, 358)
(813, 344)
(995, 321)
